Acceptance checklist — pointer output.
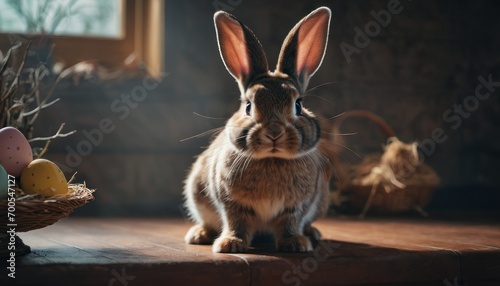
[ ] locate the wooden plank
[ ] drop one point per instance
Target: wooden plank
(112, 250)
(269, 268)
(353, 252)
(480, 266)
(416, 235)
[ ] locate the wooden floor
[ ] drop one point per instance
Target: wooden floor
(152, 252)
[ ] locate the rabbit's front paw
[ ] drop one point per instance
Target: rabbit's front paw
(229, 244)
(297, 243)
(200, 234)
(313, 233)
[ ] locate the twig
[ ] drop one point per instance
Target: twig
(72, 178)
(61, 76)
(368, 202)
(45, 148)
(57, 135)
(38, 103)
(15, 82)
(41, 107)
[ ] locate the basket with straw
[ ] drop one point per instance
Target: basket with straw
(36, 211)
(394, 181)
(21, 101)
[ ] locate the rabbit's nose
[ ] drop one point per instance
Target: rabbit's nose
(275, 138)
(275, 131)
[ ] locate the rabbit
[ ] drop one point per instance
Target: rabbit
(268, 169)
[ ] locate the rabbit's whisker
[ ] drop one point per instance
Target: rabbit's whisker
(317, 96)
(320, 85)
(234, 126)
(338, 115)
(220, 147)
(347, 148)
(340, 134)
(208, 117)
(332, 167)
(203, 133)
(340, 155)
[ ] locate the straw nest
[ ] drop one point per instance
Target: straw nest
(395, 181)
(36, 211)
(392, 182)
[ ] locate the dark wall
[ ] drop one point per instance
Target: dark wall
(414, 72)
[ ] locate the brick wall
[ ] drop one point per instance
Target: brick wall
(426, 59)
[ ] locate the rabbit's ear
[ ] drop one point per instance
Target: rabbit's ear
(240, 50)
(304, 47)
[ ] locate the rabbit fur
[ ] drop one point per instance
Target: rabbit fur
(268, 169)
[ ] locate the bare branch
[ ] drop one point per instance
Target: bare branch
(57, 135)
(40, 107)
(45, 148)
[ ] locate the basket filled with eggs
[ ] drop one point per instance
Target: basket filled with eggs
(34, 193)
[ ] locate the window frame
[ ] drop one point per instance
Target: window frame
(139, 33)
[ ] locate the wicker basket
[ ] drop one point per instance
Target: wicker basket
(35, 211)
(415, 193)
(392, 182)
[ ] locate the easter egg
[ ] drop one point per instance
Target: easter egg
(43, 177)
(15, 151)
(4, 183)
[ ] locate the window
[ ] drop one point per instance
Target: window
(62, 18)
(104, 30)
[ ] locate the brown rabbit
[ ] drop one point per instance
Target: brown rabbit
(268, 169)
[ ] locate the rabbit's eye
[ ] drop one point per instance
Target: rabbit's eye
(298, 107)
(248, 108)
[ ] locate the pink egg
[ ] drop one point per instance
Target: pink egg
(15, 151)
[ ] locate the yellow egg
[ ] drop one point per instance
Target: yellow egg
(43, 177)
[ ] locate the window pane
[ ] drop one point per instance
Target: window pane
(92, 18)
